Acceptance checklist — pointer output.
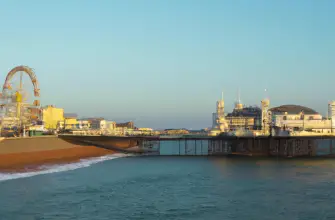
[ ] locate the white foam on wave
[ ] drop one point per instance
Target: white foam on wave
(47, 169)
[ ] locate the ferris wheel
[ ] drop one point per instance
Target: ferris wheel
(15, 99)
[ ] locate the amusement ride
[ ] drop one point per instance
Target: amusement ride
(17, 109)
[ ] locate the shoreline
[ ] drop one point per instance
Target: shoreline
(32, 161)
(30, 153)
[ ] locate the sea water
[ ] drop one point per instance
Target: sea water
(165, 187)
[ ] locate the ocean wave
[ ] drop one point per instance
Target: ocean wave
(56, 168)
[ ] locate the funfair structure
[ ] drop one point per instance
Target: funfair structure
(16, 111)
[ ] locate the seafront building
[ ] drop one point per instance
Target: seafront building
(83, 124)
(129, 125)
(51, 116)
(71, 121)
(110, 125)
(98, 124)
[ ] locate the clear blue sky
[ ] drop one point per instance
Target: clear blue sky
(165, 63)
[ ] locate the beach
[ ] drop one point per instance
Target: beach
(26, 154)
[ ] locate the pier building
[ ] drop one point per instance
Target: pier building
(248, 118)
(241, 118)
(301, 118)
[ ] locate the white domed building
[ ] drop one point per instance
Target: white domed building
(298, 118)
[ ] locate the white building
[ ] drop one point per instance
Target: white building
(98, 124)
(296, 117)
(83, 124)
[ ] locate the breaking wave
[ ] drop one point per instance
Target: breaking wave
(56, 168)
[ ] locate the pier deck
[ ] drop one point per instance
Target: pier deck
(291, 146)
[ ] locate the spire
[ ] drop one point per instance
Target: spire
(238, 96)
(222, 95)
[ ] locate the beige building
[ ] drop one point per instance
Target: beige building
(110, 125)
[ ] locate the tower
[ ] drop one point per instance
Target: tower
(220, 108)
(265, 115)
(238, 104)
(219, 121)
(214, 124)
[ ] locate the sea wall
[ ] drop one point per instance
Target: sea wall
(112, 142)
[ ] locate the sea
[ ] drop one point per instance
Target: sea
(172, 187)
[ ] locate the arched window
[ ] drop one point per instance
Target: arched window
(285, 118)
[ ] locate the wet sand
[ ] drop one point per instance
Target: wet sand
(28, 161)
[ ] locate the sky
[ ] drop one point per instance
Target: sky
(164, 63)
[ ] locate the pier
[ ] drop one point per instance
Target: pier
(292, 146)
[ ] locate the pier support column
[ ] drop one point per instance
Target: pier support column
(285, 148)
(179, 147)
(185, 146)
(331, 146)
(195, 147)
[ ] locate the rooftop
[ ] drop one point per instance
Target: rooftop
(293, 109)
(250, 111)
(70, 115)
